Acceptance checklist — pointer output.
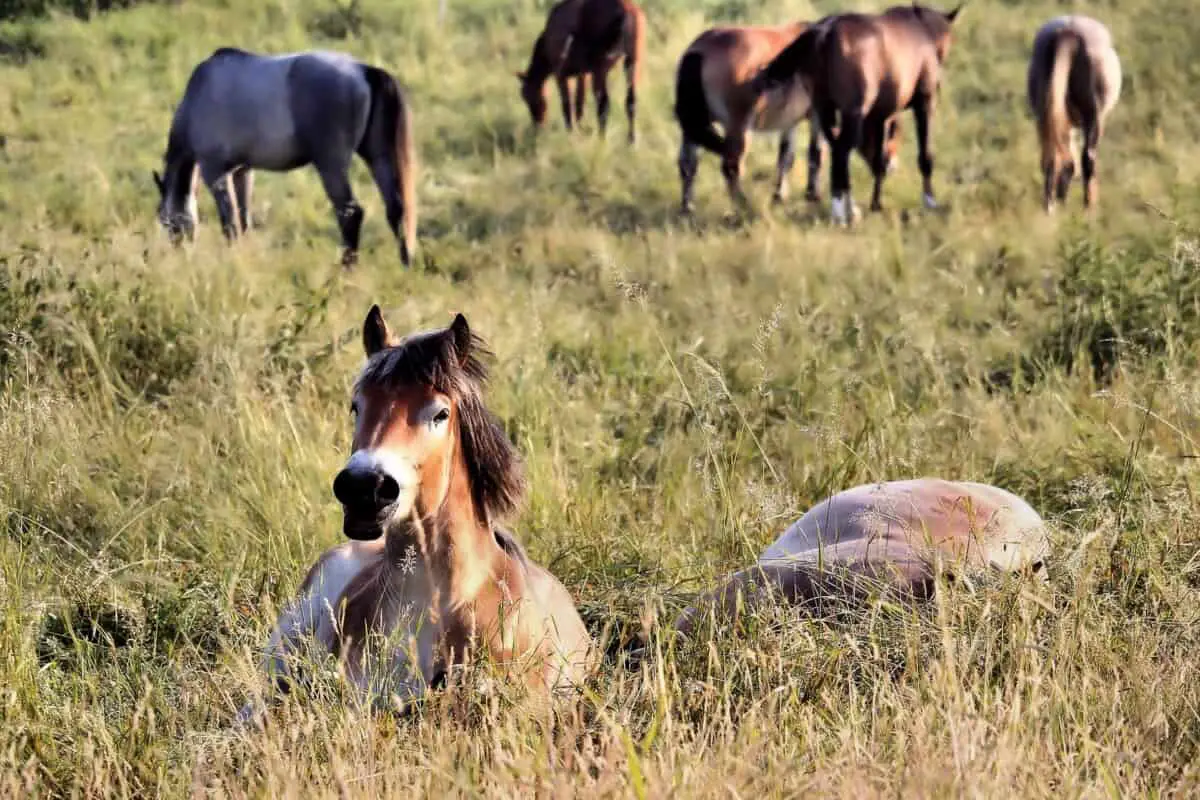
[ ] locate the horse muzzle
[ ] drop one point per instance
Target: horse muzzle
(369, 497)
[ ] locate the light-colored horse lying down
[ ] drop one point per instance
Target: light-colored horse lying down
(896, 534)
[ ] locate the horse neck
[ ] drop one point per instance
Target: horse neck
(539, 69)
(455, 545)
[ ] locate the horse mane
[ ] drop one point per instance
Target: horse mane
(509, 544)
(432, 359)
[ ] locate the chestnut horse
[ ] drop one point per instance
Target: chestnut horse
(896, 534)
(862, 70)
(428, 569)
(715, 83)
(1074, 82)
(582, 38)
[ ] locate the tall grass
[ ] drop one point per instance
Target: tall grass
(170, 422)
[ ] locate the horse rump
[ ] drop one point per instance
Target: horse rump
(691, 104)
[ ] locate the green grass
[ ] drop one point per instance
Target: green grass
(171, 421)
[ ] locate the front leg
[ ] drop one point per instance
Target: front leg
(580, 96)
(600, 90)
(564, 95)
(243, 187)
(812, 192)
(216, 177)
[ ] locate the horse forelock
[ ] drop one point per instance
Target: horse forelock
(431, 359)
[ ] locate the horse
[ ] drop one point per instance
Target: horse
(715, 83)
(895, 535)
(1074, 82)
(864, 69)
(427, 569)
(243, 111)
(582, 38)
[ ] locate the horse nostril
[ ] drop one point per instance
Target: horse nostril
(387, 491)
(343, 487)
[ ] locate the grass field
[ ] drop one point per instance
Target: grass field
(171, 420)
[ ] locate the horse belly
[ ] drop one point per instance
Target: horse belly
(782, 110)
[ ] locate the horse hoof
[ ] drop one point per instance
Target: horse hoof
(349, 258)
(930, 203)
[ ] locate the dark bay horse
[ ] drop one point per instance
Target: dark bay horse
(715, 83)
(862, 70)
(1074, 82)
(243, 111)
(428, 569)
(585, 38)
(894, 536)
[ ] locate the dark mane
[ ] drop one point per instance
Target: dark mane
(432, 359)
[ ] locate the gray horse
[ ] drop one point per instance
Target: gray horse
(244, 111)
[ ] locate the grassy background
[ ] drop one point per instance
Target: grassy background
(171, 420)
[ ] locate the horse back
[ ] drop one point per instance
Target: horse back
(970, 524)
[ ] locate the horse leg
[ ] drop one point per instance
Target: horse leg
(842, 203)
(736, 140)
(923, 113)
(600, 89)
(336, 180)
(689, 163)
(580, 96)
(811, 191)
(243, 187)
(877, 158)
(1066, 167)
(783, 165)
(216, 177)
(1091, 143)
(564, 94)
(631, 72)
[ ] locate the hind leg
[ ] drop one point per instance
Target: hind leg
(842, 203)
(783, 164)
(923, 113)
(600, 89)
(217, 178)
(812, 192)
(876, 157)
(336, 180)
(384, 173)
(1091, 142)
(731, 164)
(689, 163)
(243, 187)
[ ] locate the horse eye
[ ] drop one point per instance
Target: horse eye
(441, 416)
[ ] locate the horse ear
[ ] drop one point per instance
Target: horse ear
(376, 335)
(951, 15)
(461, 331)
(521, 75)
(158, 181)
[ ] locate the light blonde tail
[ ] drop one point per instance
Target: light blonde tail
(1055, 123)
(406, 167)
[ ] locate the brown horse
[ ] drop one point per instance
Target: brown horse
(1074, 82)
(715, 83)
(582, 38)
(861, 70)
(429, 571)
(896, 534)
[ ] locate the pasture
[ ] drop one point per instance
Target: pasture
(171, 420)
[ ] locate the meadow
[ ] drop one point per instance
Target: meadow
(171, 420)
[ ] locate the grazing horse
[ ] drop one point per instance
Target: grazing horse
(1074, 82)
(895, 534)
(864, 69)
(582, 38)
(244, 111)
(715, 83)
(428, 570)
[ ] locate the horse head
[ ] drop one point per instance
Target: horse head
(176, 198)
(939, 25)
(423, 440)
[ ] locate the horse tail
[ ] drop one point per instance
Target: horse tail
(691, 104)
(390, 126)
(1055, 122)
